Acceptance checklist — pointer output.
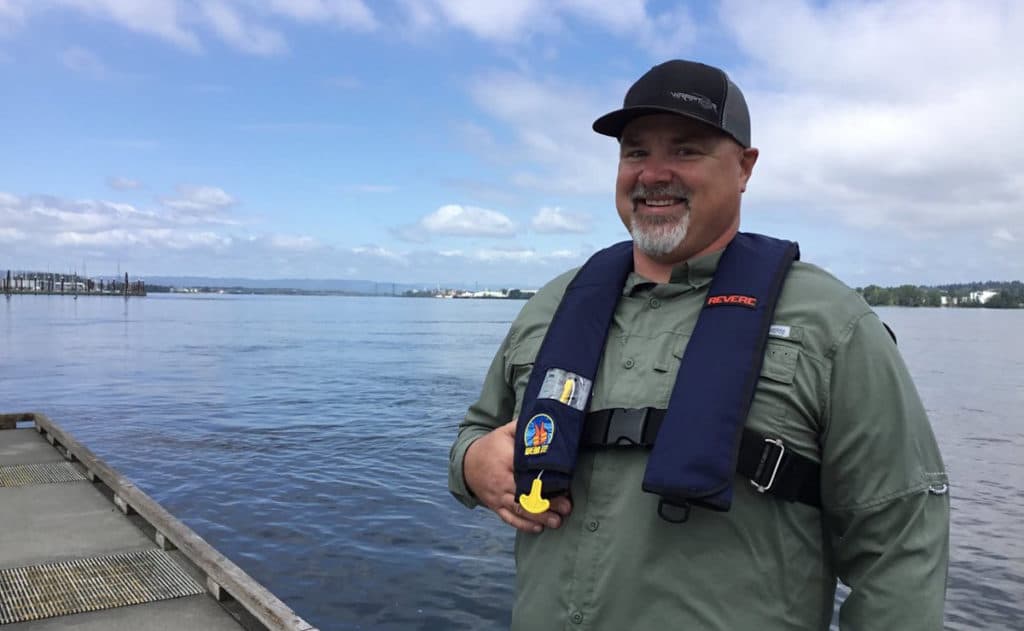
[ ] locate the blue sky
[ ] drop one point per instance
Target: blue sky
(449, 142)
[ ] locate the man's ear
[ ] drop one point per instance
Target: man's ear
(747, 160)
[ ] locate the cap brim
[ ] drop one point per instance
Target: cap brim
(612, 123)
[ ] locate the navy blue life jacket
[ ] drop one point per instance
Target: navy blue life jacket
(697, 446)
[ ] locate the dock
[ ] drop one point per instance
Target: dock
(47, 284)
(81, 547)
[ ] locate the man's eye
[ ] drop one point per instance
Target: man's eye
(634, 153)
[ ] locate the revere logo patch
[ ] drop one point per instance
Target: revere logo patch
(539, 432)
(732, 299)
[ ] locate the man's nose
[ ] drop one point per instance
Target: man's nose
(655, 171)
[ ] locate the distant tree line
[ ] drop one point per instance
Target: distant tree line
(1010, 295)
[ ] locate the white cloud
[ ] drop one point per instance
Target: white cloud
(551, 120)
(503, 21)
(10, 235)
(618, 16)
(377, 252)
(670, 34)
(12, 14)
(236, 31)
(234, 21)
(864, 130)
(898, 119)
(84, 62)
(418, 15)
(504, 255)
(200, 199)
(294, 242)
(523, 256)
(556, 220)
(568, 254)
(44, 223)
(46, 215)
(466, 221)
(123, 183)
(148, 238)
(161, 19)
(41, 231)
(1002, 238)
(665, 33)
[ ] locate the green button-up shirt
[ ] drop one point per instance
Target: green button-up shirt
(833, 387)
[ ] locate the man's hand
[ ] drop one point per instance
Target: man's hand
(487, 468)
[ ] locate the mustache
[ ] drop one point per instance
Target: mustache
(641, 191)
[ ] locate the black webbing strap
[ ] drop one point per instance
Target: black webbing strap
(769, 465)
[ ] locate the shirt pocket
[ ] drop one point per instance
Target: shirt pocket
(672, 347)
(778, 408)
(519, 361)
(780, 362)
(779, 365)
(775, 387)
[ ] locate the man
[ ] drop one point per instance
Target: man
(832, 469)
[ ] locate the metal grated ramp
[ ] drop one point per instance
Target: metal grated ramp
(117, 580)
(49, 473)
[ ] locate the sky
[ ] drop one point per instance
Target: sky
(448, 142)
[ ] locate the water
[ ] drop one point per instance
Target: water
(307, 438)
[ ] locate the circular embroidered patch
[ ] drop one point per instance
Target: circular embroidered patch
(539, 432)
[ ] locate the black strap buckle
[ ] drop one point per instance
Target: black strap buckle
(622, 427)
(768, 467)
(626, 426)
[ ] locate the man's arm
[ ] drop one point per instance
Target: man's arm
(884, 488)
(493, 409)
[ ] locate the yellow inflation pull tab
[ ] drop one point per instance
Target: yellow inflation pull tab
(534, 503)
(567, 390)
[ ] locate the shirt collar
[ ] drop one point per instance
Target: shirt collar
(687, 276)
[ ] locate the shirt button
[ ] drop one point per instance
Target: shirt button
(655, 303)
(593, 525)
(577, 617)
(629, 363)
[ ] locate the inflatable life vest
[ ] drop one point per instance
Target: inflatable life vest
(700, 442)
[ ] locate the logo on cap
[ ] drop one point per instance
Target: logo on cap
(699, 99)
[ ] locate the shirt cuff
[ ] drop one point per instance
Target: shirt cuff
(456, 478)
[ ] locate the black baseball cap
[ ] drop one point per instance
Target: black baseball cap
(687, 88)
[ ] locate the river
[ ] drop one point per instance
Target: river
(307, 438)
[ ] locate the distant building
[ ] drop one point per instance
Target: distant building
(981, 296)
(488, 293)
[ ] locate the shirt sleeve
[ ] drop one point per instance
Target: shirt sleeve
(884, 488)
(494, 408)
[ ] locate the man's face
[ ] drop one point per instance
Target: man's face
(679, 186)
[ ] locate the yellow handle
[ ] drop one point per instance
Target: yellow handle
(567, 390)
(534, 503)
